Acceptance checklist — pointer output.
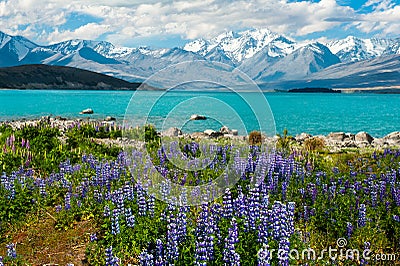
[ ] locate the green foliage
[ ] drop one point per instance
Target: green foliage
(284, 142)
(325, 226)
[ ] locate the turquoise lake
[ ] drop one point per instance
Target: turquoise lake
(315, 113)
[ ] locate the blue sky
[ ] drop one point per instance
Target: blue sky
(170, 23)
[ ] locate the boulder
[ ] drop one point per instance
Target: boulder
(302, 137)
(393, 138)
(234, 132)
(110, 118)
(349, 136)
(336, 136)
(363, 137)
(197, 135)
(86, 111)
(197, 117)
(212, 133)
(172, 132)
(225, 130)
(208, 132)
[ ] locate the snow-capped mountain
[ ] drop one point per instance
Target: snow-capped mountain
(264, 56)
(303, 62)
(242, 45)
(352, 49)
(13, 49)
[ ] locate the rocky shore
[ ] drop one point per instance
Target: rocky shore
(334, 141)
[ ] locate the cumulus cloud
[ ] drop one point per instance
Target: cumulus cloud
(124, 20)
(383, 20)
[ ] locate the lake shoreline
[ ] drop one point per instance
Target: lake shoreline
(334, 141)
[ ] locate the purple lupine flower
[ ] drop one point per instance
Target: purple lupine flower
(230, 256)
(142, 205)
(172, 252)
(11, 252)
(93, 237)
(290, 209)
(151, 205)
(67, 205)
(181, 221)
(204, 236)
(58, 208)
(146, 259)
(128, 192)
(111, 260)
(227, 204)
(283, 253)
(374, 197)
(284, 190)
(362, 215)
(349, 229)
(106, 212)
(159, 260)
(1, 261)
(263, 226)
(115, 229)
(129, 218)
(264, 256)
(396, 218)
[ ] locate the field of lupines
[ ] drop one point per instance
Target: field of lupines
(286, 201)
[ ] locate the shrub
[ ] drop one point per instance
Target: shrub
(255, 138)
(313, 144)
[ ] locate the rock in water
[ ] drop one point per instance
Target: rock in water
(197, 117)
(87, 111)
(110, 118)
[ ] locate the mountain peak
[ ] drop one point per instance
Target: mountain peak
(238, 46)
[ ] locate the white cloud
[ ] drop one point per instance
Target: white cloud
(383, 20)
(90, 31)
(124, 20)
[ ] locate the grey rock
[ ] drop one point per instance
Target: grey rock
(393, 138)
(197, 135)
(197, 117)
(363, 137)
(212, 133)
(302, 137)
(336, 136)
(225, 130)
(87, 111)
(208, 132)
(349, 136)
(110, 118)
(235, 132)
(172, 132)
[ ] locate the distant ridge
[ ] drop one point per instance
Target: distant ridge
(59, 77)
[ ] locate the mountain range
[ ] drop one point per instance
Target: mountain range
(272, 60)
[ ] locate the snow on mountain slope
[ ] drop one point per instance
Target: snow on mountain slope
(299, 64)
(352, 49)
(263, 55)
(242, 45)
(13, 49)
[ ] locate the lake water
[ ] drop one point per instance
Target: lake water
(315, 113)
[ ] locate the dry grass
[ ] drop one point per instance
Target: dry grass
(38, 242)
